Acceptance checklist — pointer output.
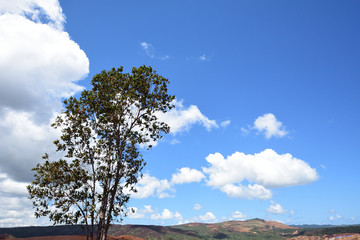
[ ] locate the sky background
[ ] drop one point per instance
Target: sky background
(266, 123)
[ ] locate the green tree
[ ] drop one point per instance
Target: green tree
(103, 132)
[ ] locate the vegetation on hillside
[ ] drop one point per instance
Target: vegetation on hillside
(255, 229)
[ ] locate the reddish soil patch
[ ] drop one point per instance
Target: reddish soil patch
(4, 236)
(274, 224)
(76, 237)
(306, 238)
(347, 236)
(241, 229)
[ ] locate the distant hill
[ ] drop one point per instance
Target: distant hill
(314, 226)
(24, 232)
(333, 230)
(254, 229)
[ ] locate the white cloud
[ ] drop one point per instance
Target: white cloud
(150, 51)
(238, 215)
(337, 216)
(36, 10)
(174, 141)
(245, 131)
(270, 126)
(11, 187)
(181, 119)
(22, 143)
(178, 216)
(209, 216)
(255, 191)
(225, 123)
(148, 48)
(166, 57)
(148, 213)
(204, 58)
(148, 209)
(166, 214)
(197, 207)
(187, 175)
(276, 208)
(266, 169)
(18, 211)
(135, 213)
(39, 65)
(151, 186)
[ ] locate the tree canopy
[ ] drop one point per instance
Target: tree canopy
(103, 132)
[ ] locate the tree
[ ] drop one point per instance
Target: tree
(103, 132)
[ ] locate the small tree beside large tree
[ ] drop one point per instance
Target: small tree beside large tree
(103, 132)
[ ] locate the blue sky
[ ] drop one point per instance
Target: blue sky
(266, 122)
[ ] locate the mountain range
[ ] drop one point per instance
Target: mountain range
(254, 229)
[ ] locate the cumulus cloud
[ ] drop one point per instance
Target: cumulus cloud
(181, 119)
(187, 175)
(270, 126)
(266, 169)
(151, 186)
(166, 214)
(238, 215)
(255, 191)
(39, 65)
(16, 211)
(134, 212)
(22, 143)
(11, 187)
(148, 213)
(148, 209)
(208, 216)
(197, 207)
(276, 208)
(37, 10)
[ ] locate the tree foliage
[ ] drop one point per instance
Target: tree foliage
(103, 132)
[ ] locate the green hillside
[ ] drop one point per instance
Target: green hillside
(254, 229)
